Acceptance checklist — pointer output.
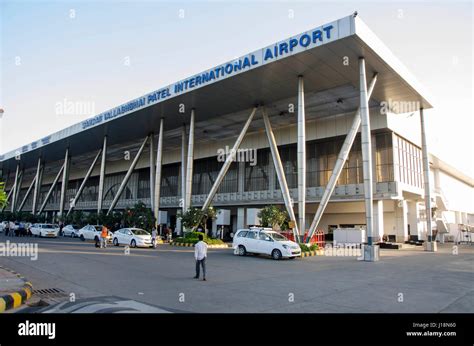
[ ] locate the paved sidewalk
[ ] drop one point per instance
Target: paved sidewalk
(15, 290)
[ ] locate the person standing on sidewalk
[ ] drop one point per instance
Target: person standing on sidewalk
(154, 234)
(103, 237)
(200, 254)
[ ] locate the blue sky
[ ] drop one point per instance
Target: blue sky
(51, 51)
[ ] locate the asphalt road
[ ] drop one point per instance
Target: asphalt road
(402, 281)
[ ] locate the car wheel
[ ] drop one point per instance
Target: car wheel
(276, 254)
(116, 242)
(96, 238)
(133, 243)
(82, 237)
(242, 250)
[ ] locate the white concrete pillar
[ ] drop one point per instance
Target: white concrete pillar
(301, 158)
(183, 167)
(401, 222)
(189, 164)
(240, 218)
(366, 150)
(426, 178)
(414, 218)
(378, 220)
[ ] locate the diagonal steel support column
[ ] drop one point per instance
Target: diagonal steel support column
(83, 184)
(157, 182)
(50, 191)
(230, 158)
(36, 191)
(280, 171)
(301, 159)
(341, 160)
(20, 207)
(15, 187)
(64, 182)
(189, 165)
(18, 188)
(100, 198)
(127, 176)
(366, 151)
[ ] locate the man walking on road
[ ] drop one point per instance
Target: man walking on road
(200, 254)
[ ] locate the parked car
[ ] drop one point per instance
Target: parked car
(265, 241)
(44, 230)
(92, 232)
(133, 237)
(70, 231)
(3, 224)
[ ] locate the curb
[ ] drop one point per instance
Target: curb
(15, 299)
(212, 246)
(312, 253)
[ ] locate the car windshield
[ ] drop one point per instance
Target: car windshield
(98, 228)
(278, 236)
(47, 226)
(140, 232)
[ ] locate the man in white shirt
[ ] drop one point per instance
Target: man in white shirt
(200, 254)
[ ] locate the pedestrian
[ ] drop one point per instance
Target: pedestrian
(103, 237)
(7, 228)
(154, 233)
(200, 254)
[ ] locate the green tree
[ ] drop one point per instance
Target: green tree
(3, 195)
(273, 217)
(195, 217)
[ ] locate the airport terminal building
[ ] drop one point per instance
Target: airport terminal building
(328, 124)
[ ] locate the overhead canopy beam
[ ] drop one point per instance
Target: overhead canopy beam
(83, 184)
(280, 172)
(55, 181)
(127, 176)
(230, 158)
(338, 167)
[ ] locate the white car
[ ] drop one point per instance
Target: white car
(92, 232)
(44, 230)
(3, 224)
(264, 241)
(133, 237)
(70, 231)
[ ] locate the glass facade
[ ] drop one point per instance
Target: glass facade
(410, 164)
(257, 177)
(321, 158)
